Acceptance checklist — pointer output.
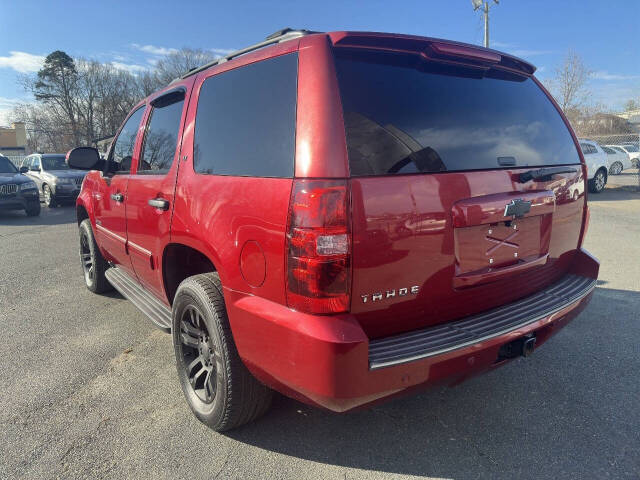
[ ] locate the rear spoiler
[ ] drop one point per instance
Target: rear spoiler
(432, 49)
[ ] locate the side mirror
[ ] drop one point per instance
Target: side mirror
(84, 158)
(24, 169)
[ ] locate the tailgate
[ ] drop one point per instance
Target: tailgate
(433, 248)
(444, 225)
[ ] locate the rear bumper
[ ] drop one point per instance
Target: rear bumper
(330, 362)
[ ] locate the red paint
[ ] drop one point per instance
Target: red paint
(426, 231)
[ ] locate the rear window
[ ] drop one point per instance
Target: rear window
(407, 116)
(246, 120)
(54, 162)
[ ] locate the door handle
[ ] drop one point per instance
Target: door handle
(118, 197)
(159, 203)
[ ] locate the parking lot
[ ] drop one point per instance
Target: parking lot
(89, 389)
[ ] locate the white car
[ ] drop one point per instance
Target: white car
(617, 158)
(597, 165)
(631, 150)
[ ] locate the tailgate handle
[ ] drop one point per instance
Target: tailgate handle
(159, 203)
(118, 197)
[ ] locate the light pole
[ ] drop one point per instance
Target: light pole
(485, 7)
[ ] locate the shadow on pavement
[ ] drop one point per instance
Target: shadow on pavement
(568, 408)
(616, 193)
(48, 216)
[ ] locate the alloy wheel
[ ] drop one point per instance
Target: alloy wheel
(86, 259)
(599, 180)
(198, 354)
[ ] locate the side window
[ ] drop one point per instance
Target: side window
(122, 151)
(246, 120)
(36, 162)
(161, 139)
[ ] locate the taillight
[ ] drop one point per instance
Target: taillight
(319, 247)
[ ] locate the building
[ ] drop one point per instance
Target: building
(633, 117)
(13, 140)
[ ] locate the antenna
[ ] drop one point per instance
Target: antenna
(476, 4)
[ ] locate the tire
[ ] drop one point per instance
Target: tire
(599, 180)
(33, 209)
(91, 260)
(49, 197)
(218, 387)
(615, 169)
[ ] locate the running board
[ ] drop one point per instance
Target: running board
(153, 308)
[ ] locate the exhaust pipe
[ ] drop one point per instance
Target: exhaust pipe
(522, 347)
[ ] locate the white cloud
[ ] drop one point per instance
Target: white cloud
(502, 45)
(614, 95)
(154, 50)
(6, 108)
(129, 67)
(222, 51)
(22, 62)
(604, 75)
(530, 53)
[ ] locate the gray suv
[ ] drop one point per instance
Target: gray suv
(56, 182)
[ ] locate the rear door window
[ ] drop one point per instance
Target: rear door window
(404, 115)
(246, 120)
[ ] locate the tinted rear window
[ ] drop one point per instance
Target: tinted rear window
(246, 120)
(411, 117)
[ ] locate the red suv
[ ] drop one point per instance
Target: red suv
(341, 217)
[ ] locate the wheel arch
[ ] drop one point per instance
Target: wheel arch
(81, 213)
(180, 261)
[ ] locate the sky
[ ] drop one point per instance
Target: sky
(133, 34)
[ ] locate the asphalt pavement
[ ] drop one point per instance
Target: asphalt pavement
(88, 387)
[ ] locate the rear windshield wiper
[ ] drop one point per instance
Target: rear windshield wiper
(543, 173)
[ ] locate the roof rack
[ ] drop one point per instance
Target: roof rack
(276, 37)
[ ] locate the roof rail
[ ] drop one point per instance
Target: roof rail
(276, 37)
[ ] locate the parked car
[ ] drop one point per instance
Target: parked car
(341, 217)
(630, 149)
(17, 192)
(617, 159)
(56, 182)
(597, 165)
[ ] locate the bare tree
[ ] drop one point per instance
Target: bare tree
(179, 63)
(631, 104)
(569, 85)
(79, 100)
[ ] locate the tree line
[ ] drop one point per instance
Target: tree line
(569, 87)
(79, 100)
